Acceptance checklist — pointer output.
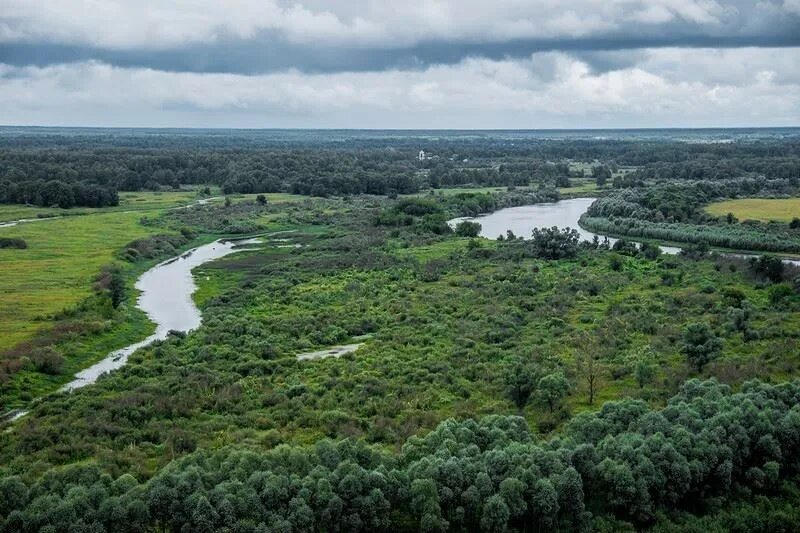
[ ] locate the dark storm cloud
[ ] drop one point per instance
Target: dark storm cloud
(257, 37)
(270, 53)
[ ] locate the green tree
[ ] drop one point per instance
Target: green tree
(552, 388)
(468, 228)
(543, 504)
(601, 175)
(495, 515)
(644, 372)
(590, 369)
(554, 243)
(520, 381)
(700, 345)
(116, 286)
(13, 494)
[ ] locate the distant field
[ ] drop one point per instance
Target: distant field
(464, 190)
(579, 187)
(128, 201)
(274, 197)
(763, 209)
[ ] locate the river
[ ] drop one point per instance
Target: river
(563, 214)
(166, 296)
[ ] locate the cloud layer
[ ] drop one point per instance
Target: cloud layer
(657, 87)
(416, 63)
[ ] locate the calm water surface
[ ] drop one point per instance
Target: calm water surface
(521, 220)
(563, 214)
(166, 297)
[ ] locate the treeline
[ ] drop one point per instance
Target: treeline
(58, 193)
(627, 464)
(448, 173)
(309, 172)
(683, 202)
(758, 237)
(786, 168)
(345, 163)
(631, 149)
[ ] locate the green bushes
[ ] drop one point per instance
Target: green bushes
(554, 243)
(7, 242)
(700, 345)
(153, 247)
(737, 237)
(468, 228)
(47, 360)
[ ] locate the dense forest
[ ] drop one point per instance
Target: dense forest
(494, 474)
(85, 169)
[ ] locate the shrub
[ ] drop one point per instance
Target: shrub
(47, 360)
(554, 243)
(468, 228)
(13, 243)
(700, 345)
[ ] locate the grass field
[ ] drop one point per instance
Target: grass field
(272, 197)
(463, 190)
(57, 269)
(579, 187)
(128, 201)
(763, 209)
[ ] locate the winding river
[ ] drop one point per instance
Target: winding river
(563, 214)
(521, 220)
(166, 296)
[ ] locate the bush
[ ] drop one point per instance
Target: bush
(554, 243)
(700, 345)
(767, 266)
(13, 243)
(468, 228)
(47, 360)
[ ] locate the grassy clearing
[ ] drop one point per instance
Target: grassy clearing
(57, 269)
(464, 190)
(272, 197)
(128, 201)
(579, 187)
(763, 209)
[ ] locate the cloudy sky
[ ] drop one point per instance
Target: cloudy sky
(400, 64)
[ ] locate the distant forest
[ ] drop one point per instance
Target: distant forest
(88, 170)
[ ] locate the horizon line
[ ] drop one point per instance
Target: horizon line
(323, 128)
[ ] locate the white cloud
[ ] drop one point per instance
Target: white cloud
(792, 6)
(665, 87)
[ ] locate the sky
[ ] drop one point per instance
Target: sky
(462, 64)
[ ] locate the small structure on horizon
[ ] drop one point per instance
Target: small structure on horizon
(422, 155)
